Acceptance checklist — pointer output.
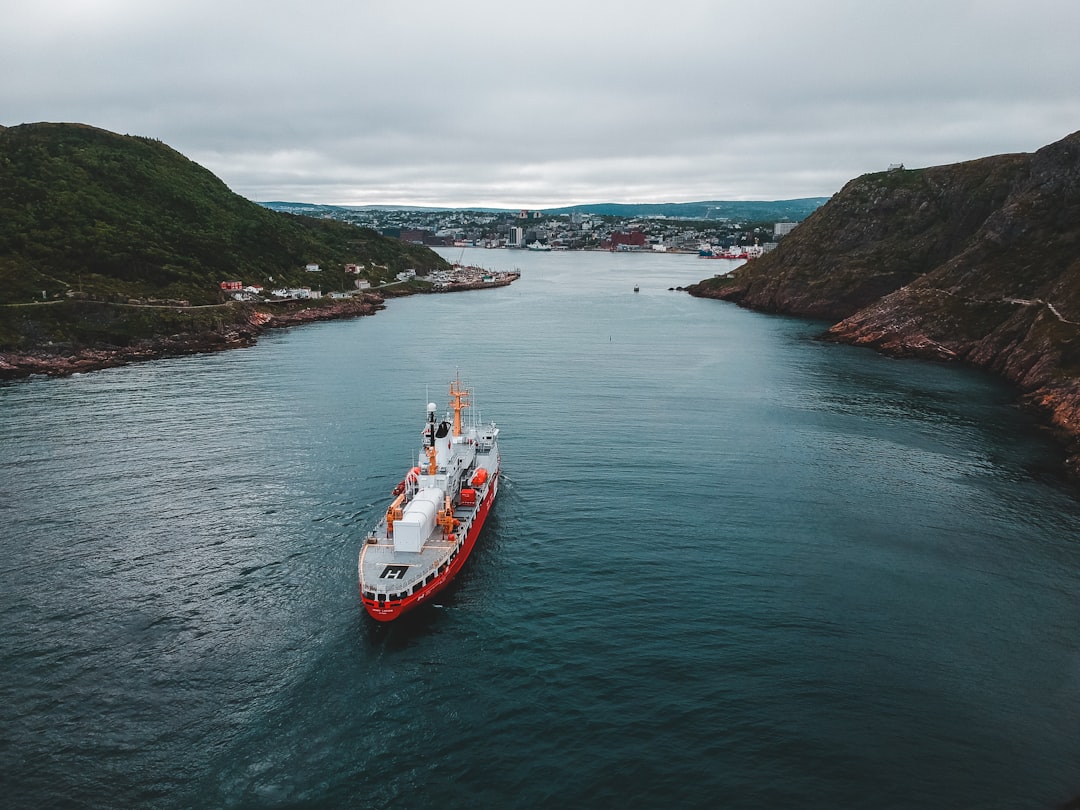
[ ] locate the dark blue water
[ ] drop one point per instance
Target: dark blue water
(730, 566)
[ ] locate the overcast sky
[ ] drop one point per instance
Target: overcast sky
(551, 102)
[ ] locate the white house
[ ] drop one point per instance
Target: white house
(302, 293)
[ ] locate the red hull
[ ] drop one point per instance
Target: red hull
(388, 611)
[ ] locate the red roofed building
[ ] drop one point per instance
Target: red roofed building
(635, 240)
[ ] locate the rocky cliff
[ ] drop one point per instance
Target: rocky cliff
(190, 331)
(976, 262)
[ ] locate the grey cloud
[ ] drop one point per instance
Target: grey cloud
(483, 103)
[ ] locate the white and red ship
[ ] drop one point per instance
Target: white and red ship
(439, 508)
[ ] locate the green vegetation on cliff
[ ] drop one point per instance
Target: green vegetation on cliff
(87, 213)
(879, 233)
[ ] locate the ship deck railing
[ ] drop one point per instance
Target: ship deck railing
(435, 564)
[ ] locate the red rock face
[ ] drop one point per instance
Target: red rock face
(14, 365)
(242, 331)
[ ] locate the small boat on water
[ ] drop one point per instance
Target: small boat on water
(430, 528)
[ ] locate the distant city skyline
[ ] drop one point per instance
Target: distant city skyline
(482, 105)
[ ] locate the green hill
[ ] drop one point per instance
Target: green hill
(716, 210)
(90, 214)
(735, 211)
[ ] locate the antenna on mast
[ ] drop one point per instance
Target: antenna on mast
(459, 400)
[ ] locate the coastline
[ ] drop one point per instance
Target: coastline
(241, 329)
(1041, 387)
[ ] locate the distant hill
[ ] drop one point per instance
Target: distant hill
(110, 217)
(736, 211)
(976, 261)
(325, 209)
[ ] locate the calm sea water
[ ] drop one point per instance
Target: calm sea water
(730, 565)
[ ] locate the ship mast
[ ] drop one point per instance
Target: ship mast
(459, 399)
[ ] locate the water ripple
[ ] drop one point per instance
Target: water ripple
(730, 565)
